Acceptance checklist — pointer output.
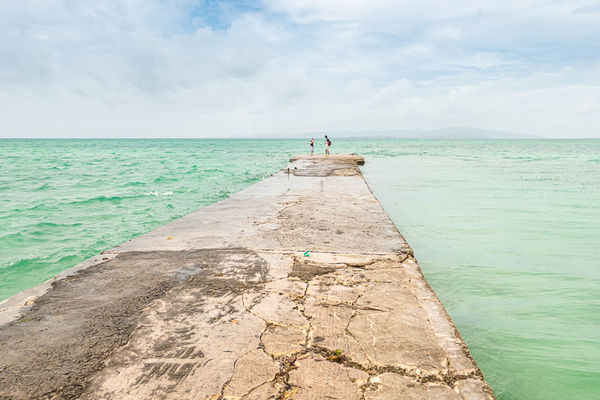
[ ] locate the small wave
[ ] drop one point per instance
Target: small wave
(101, 198)
(523, 158)
(165, 179)
(54, 225)
(11, 239)
(43, 187)
(155, 193)
(37, 207)
(33, 232)
(22, 264)
(37, 263)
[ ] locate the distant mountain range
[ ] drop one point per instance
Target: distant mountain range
(442, 133)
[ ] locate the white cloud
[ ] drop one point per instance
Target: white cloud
(163, 68)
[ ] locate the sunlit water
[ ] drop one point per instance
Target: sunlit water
(506, 232)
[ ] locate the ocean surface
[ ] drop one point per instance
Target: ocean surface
(506, 232)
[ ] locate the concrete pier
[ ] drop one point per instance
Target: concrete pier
(298, 287)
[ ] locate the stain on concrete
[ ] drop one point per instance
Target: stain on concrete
(53, 349)
(306, 270)
(326, 168)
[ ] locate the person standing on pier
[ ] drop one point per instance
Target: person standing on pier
(312, 146)
(327, 144)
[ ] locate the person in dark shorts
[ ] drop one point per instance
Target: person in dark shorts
(312, 146)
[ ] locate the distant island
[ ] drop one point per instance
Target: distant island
(441, 133)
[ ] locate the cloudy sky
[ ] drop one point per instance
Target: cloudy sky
(186, 68)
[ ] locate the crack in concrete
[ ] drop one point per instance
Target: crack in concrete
(447, 378)
(221, 396)
(285, 366)
(253, 389)
(348, 331)
(227, 381)
(287, 363)
(308, 318)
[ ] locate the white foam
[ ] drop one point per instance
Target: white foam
(155, 193)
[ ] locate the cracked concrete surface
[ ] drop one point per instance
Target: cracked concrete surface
(233, 308)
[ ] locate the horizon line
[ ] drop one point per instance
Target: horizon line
(297, 138)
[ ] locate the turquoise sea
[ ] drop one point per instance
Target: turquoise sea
(506, 232)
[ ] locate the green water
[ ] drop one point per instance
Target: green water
(508, 235)
(506, 232)
(62, 201)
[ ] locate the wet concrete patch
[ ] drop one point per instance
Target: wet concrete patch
(306, 270)
(325, 168)
(55, 347)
